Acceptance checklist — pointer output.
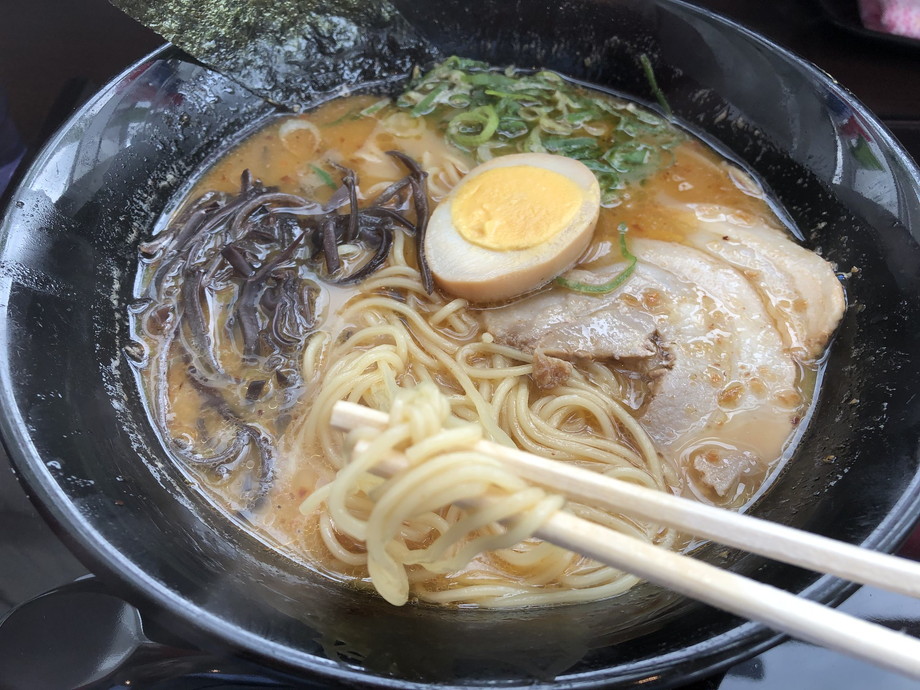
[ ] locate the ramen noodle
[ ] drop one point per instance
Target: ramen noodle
(307, 266)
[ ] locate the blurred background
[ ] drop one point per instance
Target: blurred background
(55, 53)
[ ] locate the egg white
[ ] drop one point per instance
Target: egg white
(479, 274)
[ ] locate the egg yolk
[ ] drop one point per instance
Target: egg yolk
(515, 207)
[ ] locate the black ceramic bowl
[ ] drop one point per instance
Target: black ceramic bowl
(75, 427)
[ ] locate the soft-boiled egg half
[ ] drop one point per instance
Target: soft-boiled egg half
(511, 225)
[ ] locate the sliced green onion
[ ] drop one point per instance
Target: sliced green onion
(506, 108)
(627, 157)
(581, 117)
(630, 128)
(600, 167)
(407, 99)
(545, 75)
(512, 128)
(533, 143)
(595, 128)
(490, 112)
(484, 117)
(324, 176)
(653, 84)
(375, 107)
(638, 156)
(611, 182)
(350, 115)
(426, 105)
(459, 100)
(567, 145)
(508, 94)
(612, 106)
(617, 281)
(645, 116)
(551, 126)
(493, 80)
(533, 113)
(564, 101)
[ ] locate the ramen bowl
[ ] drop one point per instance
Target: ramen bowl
(78, 432)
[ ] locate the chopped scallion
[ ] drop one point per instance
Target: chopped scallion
(580, 117)
(426, 105)
(558, 127)
(653, 84)
(493, 113)
(375, 107)
(611, 285)
(511, 128)
(507, 94)
(534, 144)
(459, 100)
(324, 176)
(462, 127)
(566, 145)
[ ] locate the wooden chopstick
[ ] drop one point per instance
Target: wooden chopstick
(755, 535)
(800, 618)
(780, 610)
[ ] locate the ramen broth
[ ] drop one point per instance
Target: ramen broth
(298, 155)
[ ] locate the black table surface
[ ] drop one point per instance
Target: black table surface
(55, 52)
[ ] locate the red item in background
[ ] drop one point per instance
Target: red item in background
(911, 548)
(901, 17)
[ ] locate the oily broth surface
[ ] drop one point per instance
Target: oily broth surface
(283, 155)
(699, 182)
(287, 160)
(284, 163)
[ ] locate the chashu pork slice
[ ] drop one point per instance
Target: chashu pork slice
(798, 287)
(571, 325)
(722, 385)
(731, 381)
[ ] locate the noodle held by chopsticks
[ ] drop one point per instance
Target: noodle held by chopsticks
(408, 509)
(390, 350)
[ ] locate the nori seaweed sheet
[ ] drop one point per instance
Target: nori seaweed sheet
(288, 51)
